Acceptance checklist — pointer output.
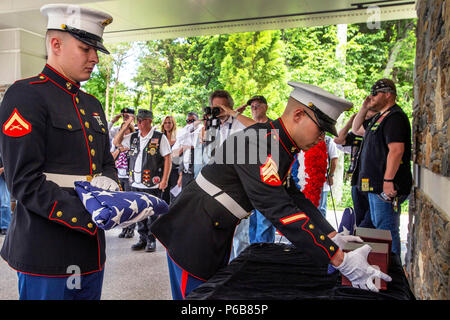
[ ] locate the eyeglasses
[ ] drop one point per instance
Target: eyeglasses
(322, 131)
(190, 120)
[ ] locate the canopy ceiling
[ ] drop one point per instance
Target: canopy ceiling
(159, 19)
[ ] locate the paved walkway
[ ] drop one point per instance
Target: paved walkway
(137, 275)
(129, 275)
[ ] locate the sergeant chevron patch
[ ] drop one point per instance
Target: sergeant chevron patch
(269, 172)
(16, 126)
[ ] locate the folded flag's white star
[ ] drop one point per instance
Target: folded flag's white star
(119, 214)
(86, 197)
(112, 209)
(105, 193)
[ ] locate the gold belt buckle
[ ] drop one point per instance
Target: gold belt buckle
(90, 177)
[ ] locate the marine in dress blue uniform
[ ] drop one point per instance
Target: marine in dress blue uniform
(198, 229)
(53, 134)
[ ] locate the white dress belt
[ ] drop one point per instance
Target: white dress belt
(66, 180)
(222, 197)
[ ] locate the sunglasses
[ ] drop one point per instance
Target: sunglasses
(322, 131)
(190, 120)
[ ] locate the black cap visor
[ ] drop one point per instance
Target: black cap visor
(326, 123)
(87, 38)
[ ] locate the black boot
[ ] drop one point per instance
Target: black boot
(139, 245)
(123, 233)
(129, 233)
(151, 247)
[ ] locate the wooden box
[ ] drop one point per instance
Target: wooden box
(379, 256)
(375, 235)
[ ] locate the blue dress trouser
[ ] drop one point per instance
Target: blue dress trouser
(86, 287)
(181, 282)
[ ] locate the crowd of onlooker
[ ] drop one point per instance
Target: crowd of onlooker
(190, 148)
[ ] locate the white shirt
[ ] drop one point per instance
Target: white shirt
(332, 154)
(229, 127)
(164, 149)
(187, 136)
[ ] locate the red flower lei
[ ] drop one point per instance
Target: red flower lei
(315, 168)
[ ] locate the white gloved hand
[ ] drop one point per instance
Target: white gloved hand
(341, 239)
(105, 183)
(360, 273)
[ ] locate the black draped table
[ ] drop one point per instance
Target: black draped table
(278, 271)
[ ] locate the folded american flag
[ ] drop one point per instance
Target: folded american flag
(110, 209)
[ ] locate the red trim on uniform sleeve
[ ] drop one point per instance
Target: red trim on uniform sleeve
(301, 216)
(72, 227)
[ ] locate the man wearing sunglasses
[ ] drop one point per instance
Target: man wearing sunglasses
(199, 227)
(384, 161)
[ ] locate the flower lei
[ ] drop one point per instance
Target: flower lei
(312, 168)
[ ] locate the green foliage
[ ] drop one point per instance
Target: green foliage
(175, 76)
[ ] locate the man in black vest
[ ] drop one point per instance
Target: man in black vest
(149, 165)
(53, 135)
(384, 163)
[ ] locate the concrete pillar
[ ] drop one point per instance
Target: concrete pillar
(22, 55)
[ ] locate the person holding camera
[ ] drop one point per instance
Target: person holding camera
(384, 162)
(220, 121)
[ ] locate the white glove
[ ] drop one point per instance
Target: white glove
(105, 183)
(356, 268)
(341, 239)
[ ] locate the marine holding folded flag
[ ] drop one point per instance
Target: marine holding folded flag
(53, 135)
(198, 229)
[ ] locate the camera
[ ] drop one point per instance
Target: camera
(211, 117)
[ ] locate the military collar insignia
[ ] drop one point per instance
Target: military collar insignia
(60, 81)
(286, 141)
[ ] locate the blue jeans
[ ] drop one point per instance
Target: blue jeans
(323, 203)
(240, 238)
(33, 287)
(261, 229)
(5, 208)
(386, 218)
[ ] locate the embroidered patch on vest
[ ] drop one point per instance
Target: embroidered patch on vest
(16, 126)
(269, 172)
